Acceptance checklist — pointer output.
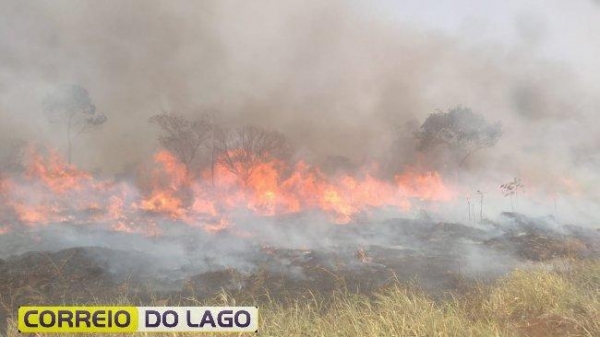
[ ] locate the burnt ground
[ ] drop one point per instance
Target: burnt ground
(37, 268)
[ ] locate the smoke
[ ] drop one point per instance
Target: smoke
(336, 77)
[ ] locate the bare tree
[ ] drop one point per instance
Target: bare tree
(71, 106)
(460, 130)
(182, 137)
(242, 149)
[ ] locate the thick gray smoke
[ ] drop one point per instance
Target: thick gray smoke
(338, 78)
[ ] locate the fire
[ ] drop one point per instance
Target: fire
(170, 177)
(53, 172)
(52, 191)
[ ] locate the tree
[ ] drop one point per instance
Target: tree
(183, 137)
(72, 106)
(460, 130)
(242, 149)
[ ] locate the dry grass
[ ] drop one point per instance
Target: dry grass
(536, 302)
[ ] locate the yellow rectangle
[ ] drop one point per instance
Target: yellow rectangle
(82, 319)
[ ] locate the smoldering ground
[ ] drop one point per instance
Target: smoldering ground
(368, 255)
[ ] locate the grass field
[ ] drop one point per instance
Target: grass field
(560, 301)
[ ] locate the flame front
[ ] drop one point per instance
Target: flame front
(52, 191)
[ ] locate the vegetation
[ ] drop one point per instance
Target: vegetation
(71, 106)
(238, 150)
(511, 190)
(242, 149)
(564, 301)
(459, 131)
(183, 137)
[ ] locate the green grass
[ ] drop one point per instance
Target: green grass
(535, 302)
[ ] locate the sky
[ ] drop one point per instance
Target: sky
(565, 31)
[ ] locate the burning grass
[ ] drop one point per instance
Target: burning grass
(559, 301)
(49, 190)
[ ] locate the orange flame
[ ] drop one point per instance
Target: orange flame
(52, 191)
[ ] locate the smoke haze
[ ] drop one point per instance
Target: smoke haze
(340, 78)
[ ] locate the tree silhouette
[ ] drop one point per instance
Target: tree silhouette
(242, 149)
(460, 130)
(183, 137)
(71, 105)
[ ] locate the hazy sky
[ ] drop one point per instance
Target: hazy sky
(562, 30)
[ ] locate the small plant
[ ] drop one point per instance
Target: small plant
(469, 207)
(511, 190)
(480, 205)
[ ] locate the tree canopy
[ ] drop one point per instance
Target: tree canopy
(460, 130)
